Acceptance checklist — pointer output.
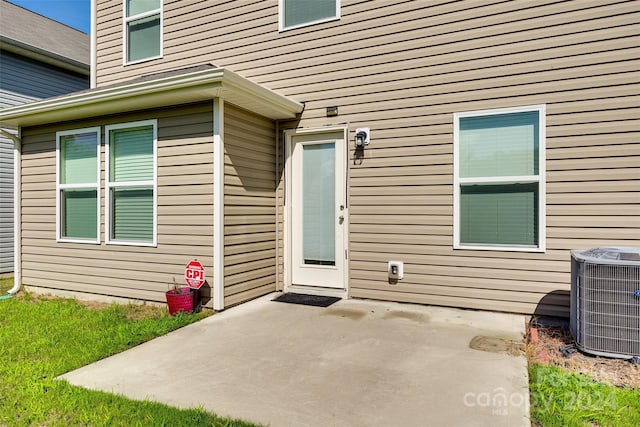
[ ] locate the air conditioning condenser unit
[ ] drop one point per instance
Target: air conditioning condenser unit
(605, 301)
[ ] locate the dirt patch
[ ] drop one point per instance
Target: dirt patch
(134, 311)
(344, 312)
(551, 343)
(497, 345)
(416, 317)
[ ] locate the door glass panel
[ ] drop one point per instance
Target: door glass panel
(318, 206)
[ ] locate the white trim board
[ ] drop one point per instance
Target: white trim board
(218, 204)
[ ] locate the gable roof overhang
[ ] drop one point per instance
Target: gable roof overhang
(41, 55)
(159, 90)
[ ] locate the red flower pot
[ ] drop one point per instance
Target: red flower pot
(183, 300)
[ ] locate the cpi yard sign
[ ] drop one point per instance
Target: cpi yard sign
(194, 274)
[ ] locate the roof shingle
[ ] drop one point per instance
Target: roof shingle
(32, 29)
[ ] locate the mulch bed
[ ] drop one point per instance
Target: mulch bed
(550, 343)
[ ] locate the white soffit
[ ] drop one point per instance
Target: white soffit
(161, 92)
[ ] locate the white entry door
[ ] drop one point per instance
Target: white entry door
(317, 209)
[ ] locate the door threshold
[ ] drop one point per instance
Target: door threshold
(316, 290)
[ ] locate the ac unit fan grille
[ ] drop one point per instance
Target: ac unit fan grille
(609, 309)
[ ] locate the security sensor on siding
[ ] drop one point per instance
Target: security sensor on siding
(362, 137)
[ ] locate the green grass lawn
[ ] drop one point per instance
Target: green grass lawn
(5, 285)
(41, 339)
(564, 399)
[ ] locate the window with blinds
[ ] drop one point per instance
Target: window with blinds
(142, 30)
(298, 13)
(131, 183)
(498, 179)
(78, 187)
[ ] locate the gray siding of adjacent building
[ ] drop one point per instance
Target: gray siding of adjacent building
(6, 205)
(23, 80)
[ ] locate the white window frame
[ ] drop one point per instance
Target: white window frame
(109, 185)
(540, 179)
(281, 26)
(125, 32)
(60, 187)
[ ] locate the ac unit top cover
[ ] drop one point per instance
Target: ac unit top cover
(609, 255)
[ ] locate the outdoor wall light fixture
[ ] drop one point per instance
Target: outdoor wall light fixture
(362, 137)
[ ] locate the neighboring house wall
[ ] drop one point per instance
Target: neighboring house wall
(250, 247)
(6, 205)
(185, 212)
(23, 80)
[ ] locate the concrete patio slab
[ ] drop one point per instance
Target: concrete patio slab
(355, 363)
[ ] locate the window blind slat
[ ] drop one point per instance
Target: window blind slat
(133, 214)
(131, 154)
(80, 213)
(499, 214)
(318, 207)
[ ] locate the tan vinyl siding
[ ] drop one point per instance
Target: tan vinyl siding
(402, 69)
(249, 242)
(185, 212)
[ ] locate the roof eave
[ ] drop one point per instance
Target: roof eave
(181, 89)
(41, 55)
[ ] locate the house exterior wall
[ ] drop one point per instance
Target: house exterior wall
(23, 80)
(249, 206)
(185, 212)
(403, 69)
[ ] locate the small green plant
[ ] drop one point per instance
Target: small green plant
(563, 399)
(178, 289)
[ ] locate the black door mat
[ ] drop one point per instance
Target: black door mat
(302, 299)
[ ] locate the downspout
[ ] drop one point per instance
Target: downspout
(17, 250)
(93, 35)
(277, 204)
(218, 204)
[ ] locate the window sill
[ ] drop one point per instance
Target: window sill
(65, 240)
(142, 244)
(498, 248)
(308, 24)
(140, 61)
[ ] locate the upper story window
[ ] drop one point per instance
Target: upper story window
(142, 30)
(499, 186)
(78, 185)
(298, 13)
